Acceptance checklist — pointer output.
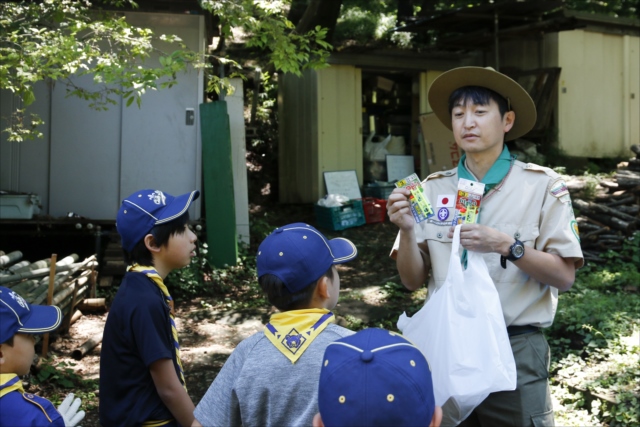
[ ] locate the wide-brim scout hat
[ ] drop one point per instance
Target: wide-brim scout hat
(298, 255)
(145, 209)
(517, 97)
(375, 377)
(17, 316)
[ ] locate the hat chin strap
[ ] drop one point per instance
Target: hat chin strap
(508, 104)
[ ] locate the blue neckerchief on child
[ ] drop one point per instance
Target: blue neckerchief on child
(491, 179)
(291, 332)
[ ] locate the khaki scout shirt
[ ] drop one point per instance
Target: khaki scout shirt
(533, 205)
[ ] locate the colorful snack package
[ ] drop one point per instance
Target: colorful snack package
(420, 206)
(467, 202)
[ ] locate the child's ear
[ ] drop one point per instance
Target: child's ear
(150, 243)
(322, 288)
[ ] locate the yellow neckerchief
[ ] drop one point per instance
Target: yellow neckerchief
(291, 332)
(152, 274)
(6, 378)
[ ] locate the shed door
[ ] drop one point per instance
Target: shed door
(98, 158)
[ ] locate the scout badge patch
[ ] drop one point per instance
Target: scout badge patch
(420, 206)
(468, 202)
(292, 332)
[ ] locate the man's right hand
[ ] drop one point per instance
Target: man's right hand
(399, 209)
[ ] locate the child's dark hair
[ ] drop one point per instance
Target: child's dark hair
(8, 342)
(161, 234)
(478, 95)
(280, 297)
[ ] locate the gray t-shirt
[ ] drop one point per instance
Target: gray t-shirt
(259, 386)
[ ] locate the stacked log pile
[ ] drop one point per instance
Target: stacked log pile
(65, 282)
(612, 216)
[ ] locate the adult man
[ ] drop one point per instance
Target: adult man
(526, 230)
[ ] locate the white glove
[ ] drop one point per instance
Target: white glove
(69, 411)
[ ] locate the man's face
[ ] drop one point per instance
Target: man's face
(480, 128)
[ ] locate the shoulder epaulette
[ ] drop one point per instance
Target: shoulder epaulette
(537, 168)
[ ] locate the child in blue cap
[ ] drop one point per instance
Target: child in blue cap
(271, 378)
(375, 378)
(19, 322)
(141, 373)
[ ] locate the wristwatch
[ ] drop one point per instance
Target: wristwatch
(516, 251)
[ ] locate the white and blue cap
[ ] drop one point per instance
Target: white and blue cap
(145, 209)
(375, 377)
(17, 316)
(298, 255)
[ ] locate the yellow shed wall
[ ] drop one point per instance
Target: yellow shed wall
(339, 123)
(594, 104)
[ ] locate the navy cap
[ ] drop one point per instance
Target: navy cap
(144, 209)
(375, 377)
(17, 316)
(298, 255)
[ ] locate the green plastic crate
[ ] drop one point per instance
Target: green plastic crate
(350, 214)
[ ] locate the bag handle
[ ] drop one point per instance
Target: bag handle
(455, 267)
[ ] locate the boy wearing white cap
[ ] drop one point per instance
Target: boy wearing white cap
(19, 322)
(375, 378)
(141, 374)
(526, 229)
(271, 378)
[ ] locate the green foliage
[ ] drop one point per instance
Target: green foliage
(63, 379)
(63, 39)
(59, 41)
(195, 279)
(267, 28)
(594, 338)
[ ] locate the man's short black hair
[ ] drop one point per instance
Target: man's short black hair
(479, 96)
(161, 234)
(280, 297)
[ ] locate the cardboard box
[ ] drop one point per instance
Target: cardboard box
(442, 151)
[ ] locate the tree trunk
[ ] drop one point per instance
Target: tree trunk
(320, 12)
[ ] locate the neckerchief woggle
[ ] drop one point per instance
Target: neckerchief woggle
(152, 274)
(491, 179)
(293, 331)
(9, 383)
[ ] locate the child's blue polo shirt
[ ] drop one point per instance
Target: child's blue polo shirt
(136, 334)
(24, 409)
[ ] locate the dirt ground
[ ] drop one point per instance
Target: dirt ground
(209, 332)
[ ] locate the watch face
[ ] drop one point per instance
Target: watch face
(518, 251)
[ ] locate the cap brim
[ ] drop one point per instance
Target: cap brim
(343, 250)
(521, 103)
(178, 206)
(43, 319)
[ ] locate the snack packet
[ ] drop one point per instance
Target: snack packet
(467, 202)
(420, 206)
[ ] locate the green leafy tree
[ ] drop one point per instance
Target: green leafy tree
(61, 40)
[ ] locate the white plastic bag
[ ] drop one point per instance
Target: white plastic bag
(462, 333)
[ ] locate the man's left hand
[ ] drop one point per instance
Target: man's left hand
(483, 239)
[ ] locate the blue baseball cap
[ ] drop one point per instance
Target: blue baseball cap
(375, 377)
(298, 255)
(17, 316)
(144, 209)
